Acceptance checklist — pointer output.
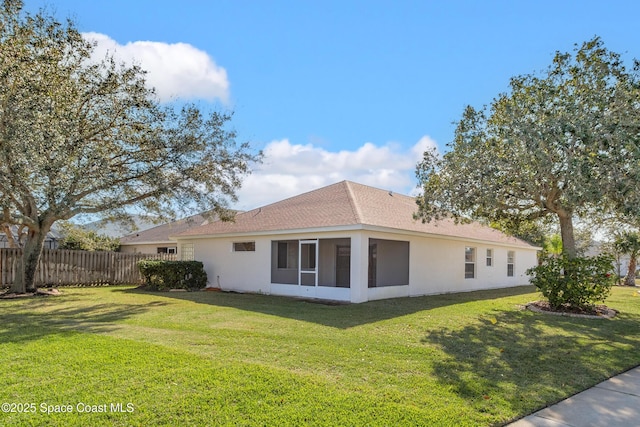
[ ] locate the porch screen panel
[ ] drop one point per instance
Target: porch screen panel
(284, 262)
(389, 263)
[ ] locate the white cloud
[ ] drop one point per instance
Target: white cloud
(290, 169)
(176, 70)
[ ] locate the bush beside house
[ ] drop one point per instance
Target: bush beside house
(164, 275)
(576, 282)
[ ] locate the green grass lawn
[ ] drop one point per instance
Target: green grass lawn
(208, 358)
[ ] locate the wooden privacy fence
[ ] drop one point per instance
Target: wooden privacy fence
(66, 267)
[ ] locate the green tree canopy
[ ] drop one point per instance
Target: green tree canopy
(78, 238)
(561, 144)
(84, 137)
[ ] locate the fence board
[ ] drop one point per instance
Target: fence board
(66, 267)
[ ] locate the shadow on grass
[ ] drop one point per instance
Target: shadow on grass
(531, 359)
(36, 318)
(341, 316)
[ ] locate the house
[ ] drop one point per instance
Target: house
(155, 240)
(51, 241)
(351, 242)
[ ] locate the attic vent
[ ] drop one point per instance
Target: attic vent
(391, 193)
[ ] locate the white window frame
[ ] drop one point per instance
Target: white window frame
(489, 257)
(511, 263)
(469, 260)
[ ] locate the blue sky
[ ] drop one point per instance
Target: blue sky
(334, 90)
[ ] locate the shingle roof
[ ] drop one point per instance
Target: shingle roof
(346, 203)
(162, 232)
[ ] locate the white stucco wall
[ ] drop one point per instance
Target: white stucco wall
(436, 266)
(235, 271)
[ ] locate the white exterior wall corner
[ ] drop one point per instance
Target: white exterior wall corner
(359, 267)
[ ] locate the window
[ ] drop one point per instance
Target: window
(244, 246)
(288, 254)
(469, 263)
(164, 250)
(489, 257)
(187, 252)
(511, 257)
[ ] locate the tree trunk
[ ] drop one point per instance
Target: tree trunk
(630, 280)
(25, 279)
(566, 232)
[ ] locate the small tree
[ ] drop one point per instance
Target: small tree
(629, 243)
(85, 137)
(77, 238)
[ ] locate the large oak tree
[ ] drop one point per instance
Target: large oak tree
(79, 136)
(561, 143)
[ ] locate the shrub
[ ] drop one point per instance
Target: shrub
(163, 275)
(578, 282)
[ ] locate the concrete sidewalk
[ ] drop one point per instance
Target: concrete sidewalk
(614, 402)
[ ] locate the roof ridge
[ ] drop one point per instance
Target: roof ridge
(354, 205)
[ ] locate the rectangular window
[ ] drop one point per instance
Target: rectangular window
(244, 246)
(511, 260)
(166, 250)
(489, 257)
(187, 252)
(469, 263)
(288, 254)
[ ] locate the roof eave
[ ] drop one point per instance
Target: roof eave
(446, 237)
(351, 227)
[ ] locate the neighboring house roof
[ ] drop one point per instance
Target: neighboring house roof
(161, 233)
(343, 204)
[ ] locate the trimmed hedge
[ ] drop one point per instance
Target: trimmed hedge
(164, 275)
